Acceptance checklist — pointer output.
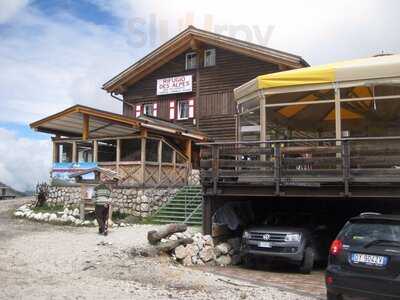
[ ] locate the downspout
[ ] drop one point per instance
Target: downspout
(122, 100)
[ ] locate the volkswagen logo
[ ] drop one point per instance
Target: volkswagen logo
(266, 236)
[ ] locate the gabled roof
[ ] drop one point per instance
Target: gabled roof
(70, 123)
(188, 39)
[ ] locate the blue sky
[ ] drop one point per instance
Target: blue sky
(54, 53)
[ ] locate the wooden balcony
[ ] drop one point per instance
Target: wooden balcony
(351, 167)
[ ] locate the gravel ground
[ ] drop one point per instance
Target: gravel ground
(42, 261)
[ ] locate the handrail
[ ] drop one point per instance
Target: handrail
(302, 141)
(192, 199)
(193, 212)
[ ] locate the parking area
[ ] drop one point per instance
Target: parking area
(284, 278)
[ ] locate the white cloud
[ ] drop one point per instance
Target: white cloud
(24, 162)
(9, 9)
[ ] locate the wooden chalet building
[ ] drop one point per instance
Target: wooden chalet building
(189, 80)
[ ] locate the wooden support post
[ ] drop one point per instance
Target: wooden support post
(338, 119)
(346, 166)
(188, 150)
(75, 157)
(174, 165)
(85, 131)
(95, 151)
(56, 155)
(215, 167)
(277, 169)
(160, 145)
(207, 215)
(143, 160)
(82, 203)
(117, 159)
(263, 125)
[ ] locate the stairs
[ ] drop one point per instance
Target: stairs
(184, 207)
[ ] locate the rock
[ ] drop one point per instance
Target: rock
(71, 219)
(52, 217)
(180, 252)
(95, 223)
(235, 243)
(18, 213)
(87, 222)
(66, 211)
(224, 248)
(173, 237)
(224, 260)
(208, 241)
(122, 224)
(187, 261)
(207, 254)
(192, 250)
(46, 217)
(236, 259)
(64, 218)
(195, 260)
(75, 212)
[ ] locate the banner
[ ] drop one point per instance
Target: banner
(61, 171)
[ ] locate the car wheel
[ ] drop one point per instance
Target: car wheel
(308, 261)
(330, 296)
(248, 262)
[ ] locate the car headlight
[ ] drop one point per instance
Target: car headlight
(246, 235)
(293, 237)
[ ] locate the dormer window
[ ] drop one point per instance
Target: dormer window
(209, 57)
(191, 60)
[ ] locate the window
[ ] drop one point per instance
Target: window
(64, 152)
(191, 60)
(131, 149)
(183, 110)
(107, 151)
(84, 151)
(167, 153)
(152, 150)
(209, 57)
(148, 109)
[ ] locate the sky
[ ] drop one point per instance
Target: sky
(54, 53)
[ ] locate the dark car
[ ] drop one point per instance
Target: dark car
(294, 245)
(364, 259)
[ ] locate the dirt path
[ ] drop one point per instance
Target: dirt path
(41, 261)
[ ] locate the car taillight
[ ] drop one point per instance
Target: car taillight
(336, 247)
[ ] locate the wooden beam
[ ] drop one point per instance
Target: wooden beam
(143, 159)
(74, 152)
(263, 125)
(55, 152)
(118, 154)
(95, 151)
(338, 119)
(160, 145)
(85, 131)
(188, 150)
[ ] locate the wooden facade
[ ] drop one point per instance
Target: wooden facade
(236, 62)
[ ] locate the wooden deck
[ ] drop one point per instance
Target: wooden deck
(353, 167)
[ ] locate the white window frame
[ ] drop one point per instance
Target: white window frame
(145, 106)
(213, 62)
(179, 110)
(190, 66)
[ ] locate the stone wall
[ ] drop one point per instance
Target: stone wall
(140, 202)
(194, 177)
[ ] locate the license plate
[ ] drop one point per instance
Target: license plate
(264, 244)
(369, 260)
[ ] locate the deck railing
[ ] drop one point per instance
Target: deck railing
(302, 163)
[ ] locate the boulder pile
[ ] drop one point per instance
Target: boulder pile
(67, 216)
(204, 251)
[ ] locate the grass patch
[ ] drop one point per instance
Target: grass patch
(46, 208)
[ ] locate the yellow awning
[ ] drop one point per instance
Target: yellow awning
(353, 70)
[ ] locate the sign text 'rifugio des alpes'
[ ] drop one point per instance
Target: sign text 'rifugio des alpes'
(174, 85)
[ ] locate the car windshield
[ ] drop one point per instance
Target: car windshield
(363, 233)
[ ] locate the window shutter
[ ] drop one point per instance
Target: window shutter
(138, 110)
(155, 110)
(171, 110)
(191, 108)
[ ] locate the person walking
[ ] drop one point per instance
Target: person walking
(101, 200)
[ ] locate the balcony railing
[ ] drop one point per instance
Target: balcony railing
(345, 164)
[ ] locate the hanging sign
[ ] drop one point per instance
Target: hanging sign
(174, 85)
